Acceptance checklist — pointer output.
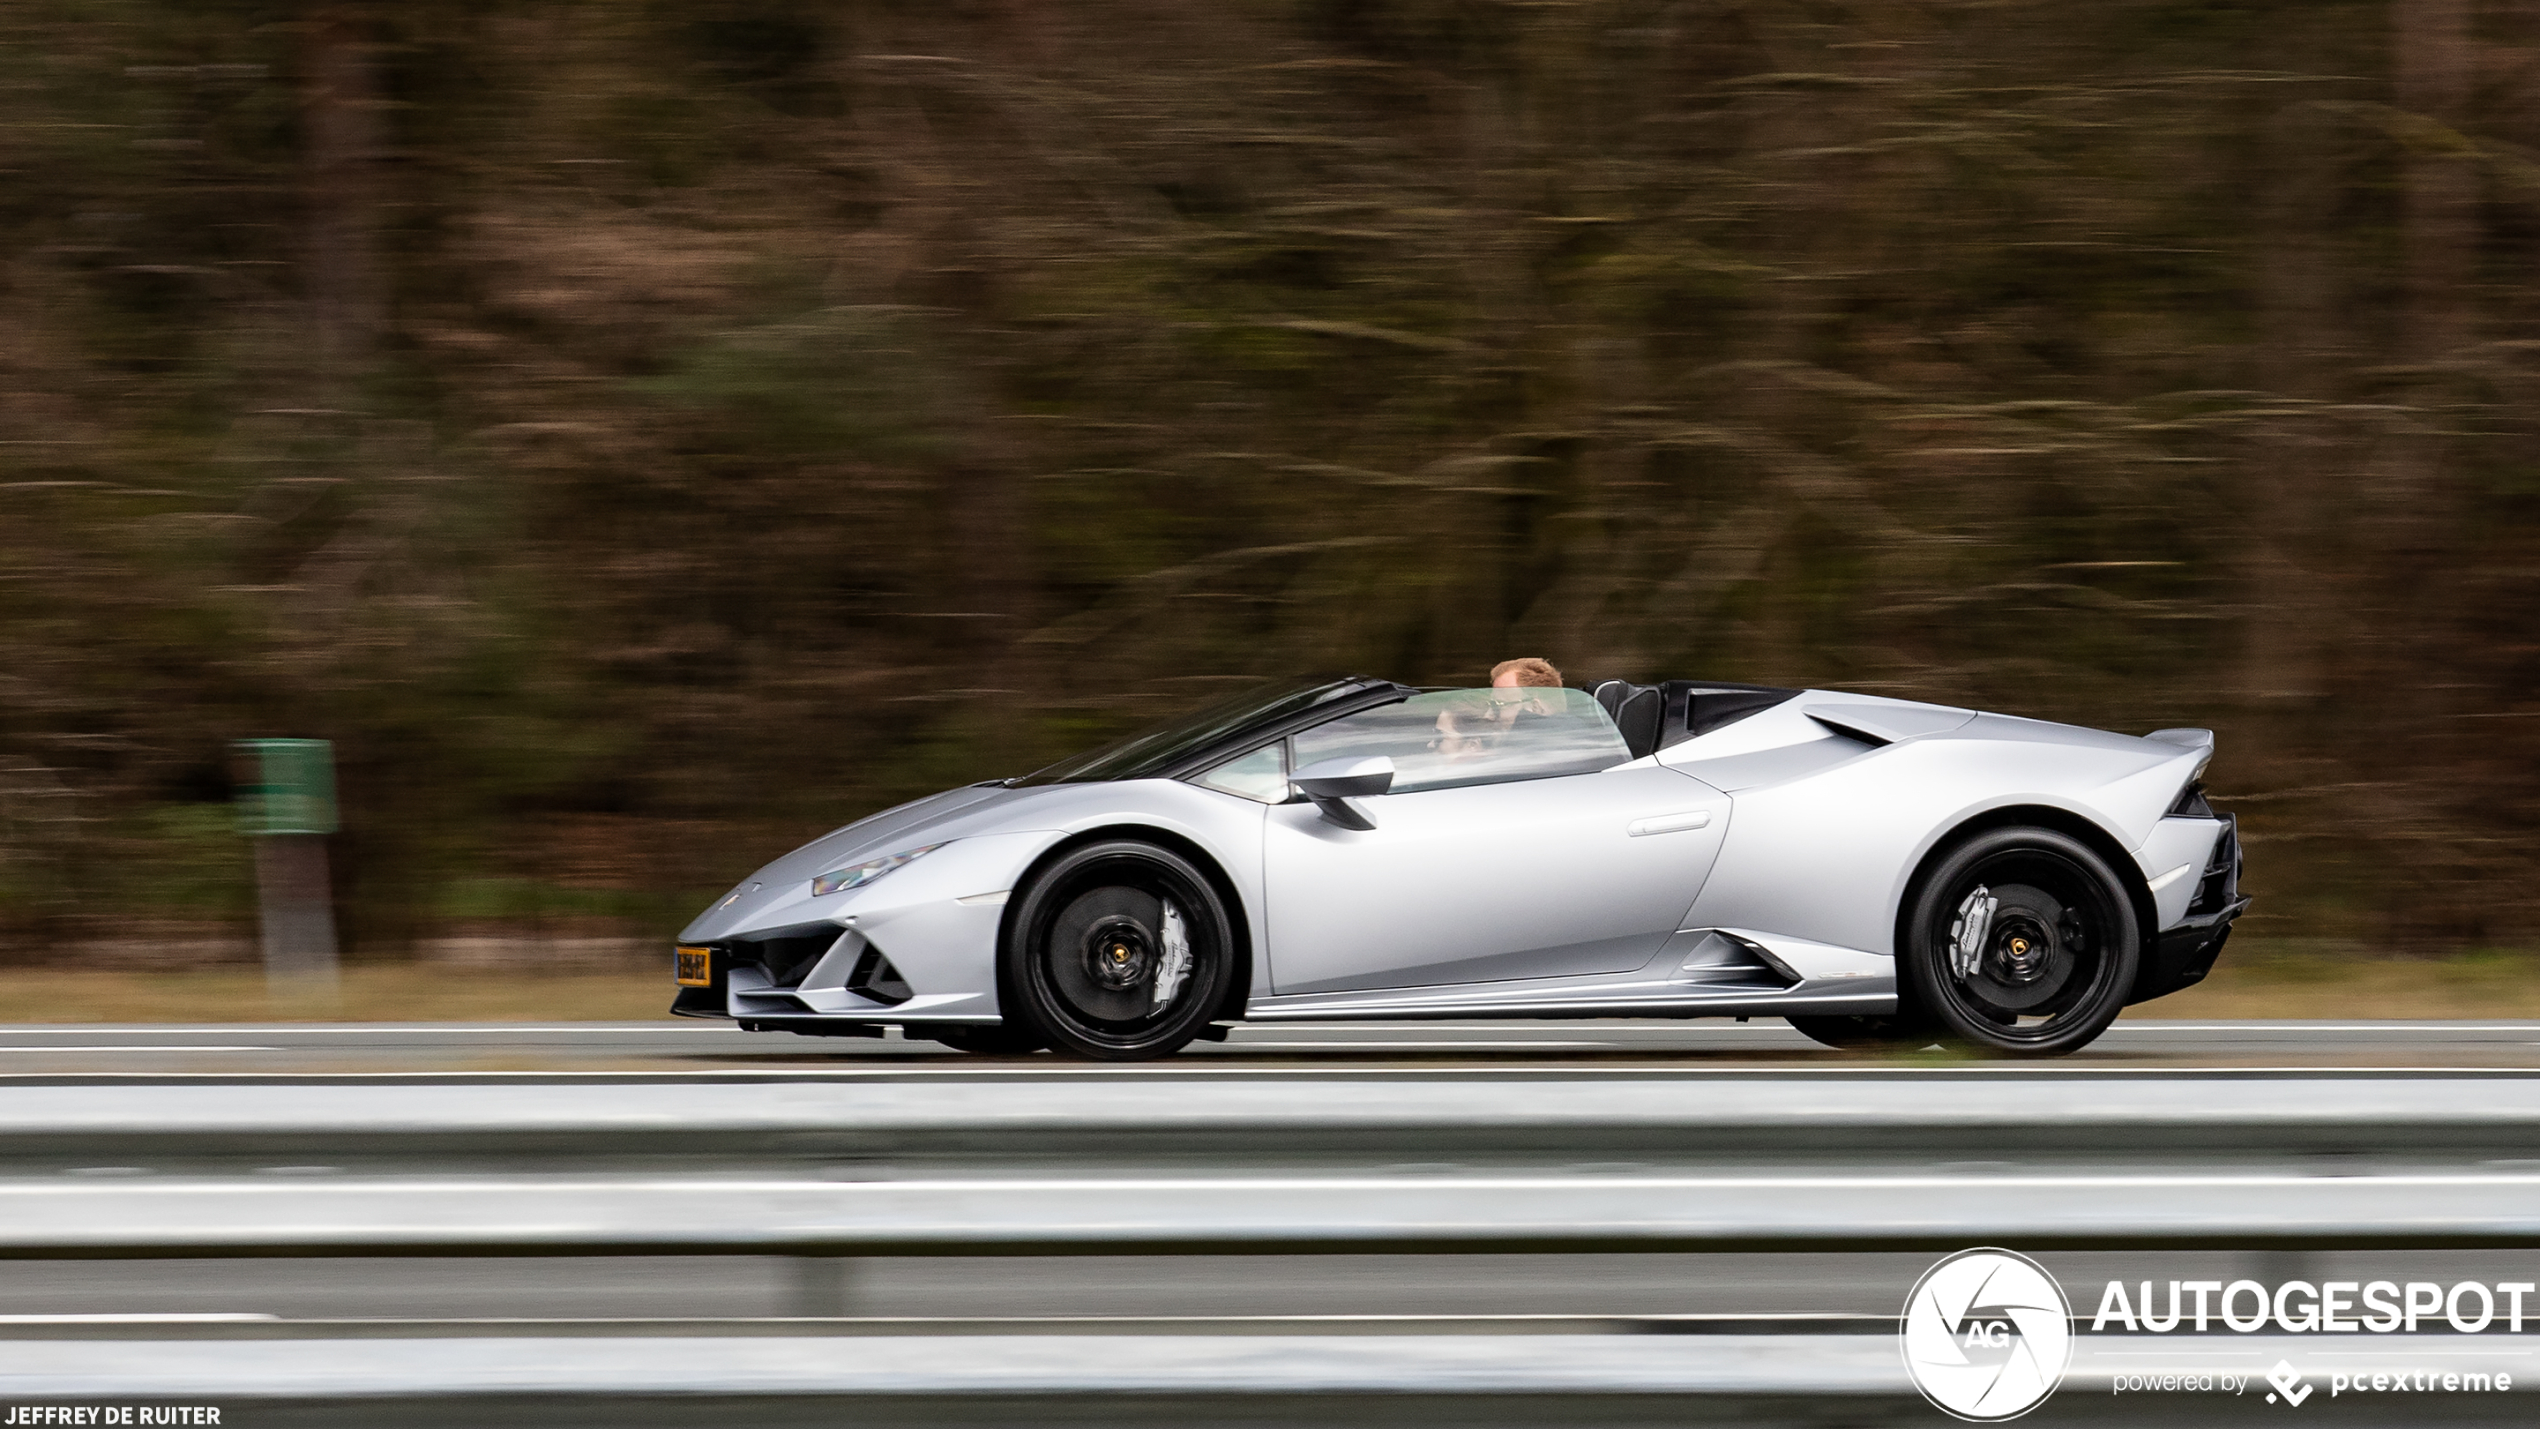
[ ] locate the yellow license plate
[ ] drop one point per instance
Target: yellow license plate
(695, 967)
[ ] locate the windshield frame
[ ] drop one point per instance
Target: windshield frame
(1196, 742)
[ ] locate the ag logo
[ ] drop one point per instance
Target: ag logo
(1987, 1335)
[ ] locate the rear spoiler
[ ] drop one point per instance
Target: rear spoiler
(2200, 741)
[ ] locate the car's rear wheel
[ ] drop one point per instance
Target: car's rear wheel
(1001, 1041)
(1119, 950)
(2021, 942)
(1904, 1032)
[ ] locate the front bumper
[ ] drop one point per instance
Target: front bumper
(827, 980)
(917, 946)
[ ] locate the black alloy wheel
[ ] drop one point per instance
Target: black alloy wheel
(1119, 950)
(2022, 942)
(1897, 1032)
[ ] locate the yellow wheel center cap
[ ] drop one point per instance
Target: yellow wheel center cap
(2019, 946)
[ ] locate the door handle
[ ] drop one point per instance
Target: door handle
(1669, 823)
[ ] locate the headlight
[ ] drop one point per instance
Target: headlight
(840, 880)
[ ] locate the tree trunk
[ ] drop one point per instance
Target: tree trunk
(2433, 63)
(340, 139)
(2299, 471)
(2421, 517)
(2433, 58)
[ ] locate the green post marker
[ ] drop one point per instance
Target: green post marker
(288, 807)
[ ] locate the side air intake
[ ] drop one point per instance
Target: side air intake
(875, 980)
(787, 957)
(1726, 960)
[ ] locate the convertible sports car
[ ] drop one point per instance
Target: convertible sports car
(1877, 871)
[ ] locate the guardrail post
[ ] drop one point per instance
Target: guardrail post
(289, 809)
(2275, 1267)
(820, 1286)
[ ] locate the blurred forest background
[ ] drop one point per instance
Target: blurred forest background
(642, 434)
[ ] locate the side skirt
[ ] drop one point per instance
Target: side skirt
(1700, 972)
(1855, 996)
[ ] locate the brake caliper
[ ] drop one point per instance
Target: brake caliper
(1176, 962)
(1967, 935)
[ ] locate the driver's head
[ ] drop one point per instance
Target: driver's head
(1526, 673)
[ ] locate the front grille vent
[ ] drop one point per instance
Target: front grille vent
(786, 960)
(876, 980)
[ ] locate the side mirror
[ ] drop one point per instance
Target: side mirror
(1332, 783)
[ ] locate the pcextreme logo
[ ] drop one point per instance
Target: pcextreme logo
(1987, 1335)
(2288, 1384)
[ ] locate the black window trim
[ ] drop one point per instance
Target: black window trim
(1242, 742)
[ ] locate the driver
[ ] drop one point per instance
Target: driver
(1527, 672)
(1470, 729)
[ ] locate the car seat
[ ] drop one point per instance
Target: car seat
(1635, 710)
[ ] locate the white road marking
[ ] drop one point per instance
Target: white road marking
(173, 1317)
(364, 1029)
(922, 1067)
(146, 1047)
(1763, 1022)
(1412, 1317)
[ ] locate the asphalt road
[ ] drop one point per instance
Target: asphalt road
(1479, 1048)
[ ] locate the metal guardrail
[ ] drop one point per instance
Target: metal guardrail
(1166, 1166)
(1466, 1381)
(1836, 1365)
(976, 1364)
(2192, 1116)
(1177, 1379)
(1173, 1166)
(1754, 1210)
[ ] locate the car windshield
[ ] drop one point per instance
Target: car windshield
(1151, 753)
(1448, 739)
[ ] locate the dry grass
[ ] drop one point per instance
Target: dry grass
(2260, 979)
(394, 993)
(2254, 980)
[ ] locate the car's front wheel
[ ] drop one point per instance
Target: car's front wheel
(1119, 950)
(2021, 942)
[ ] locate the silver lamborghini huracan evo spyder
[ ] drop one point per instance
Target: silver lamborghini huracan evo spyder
(1879, 872)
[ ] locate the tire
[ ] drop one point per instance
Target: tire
(988, 1041)
(1088, 955)
(1904, 1032)
(2021, 942)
